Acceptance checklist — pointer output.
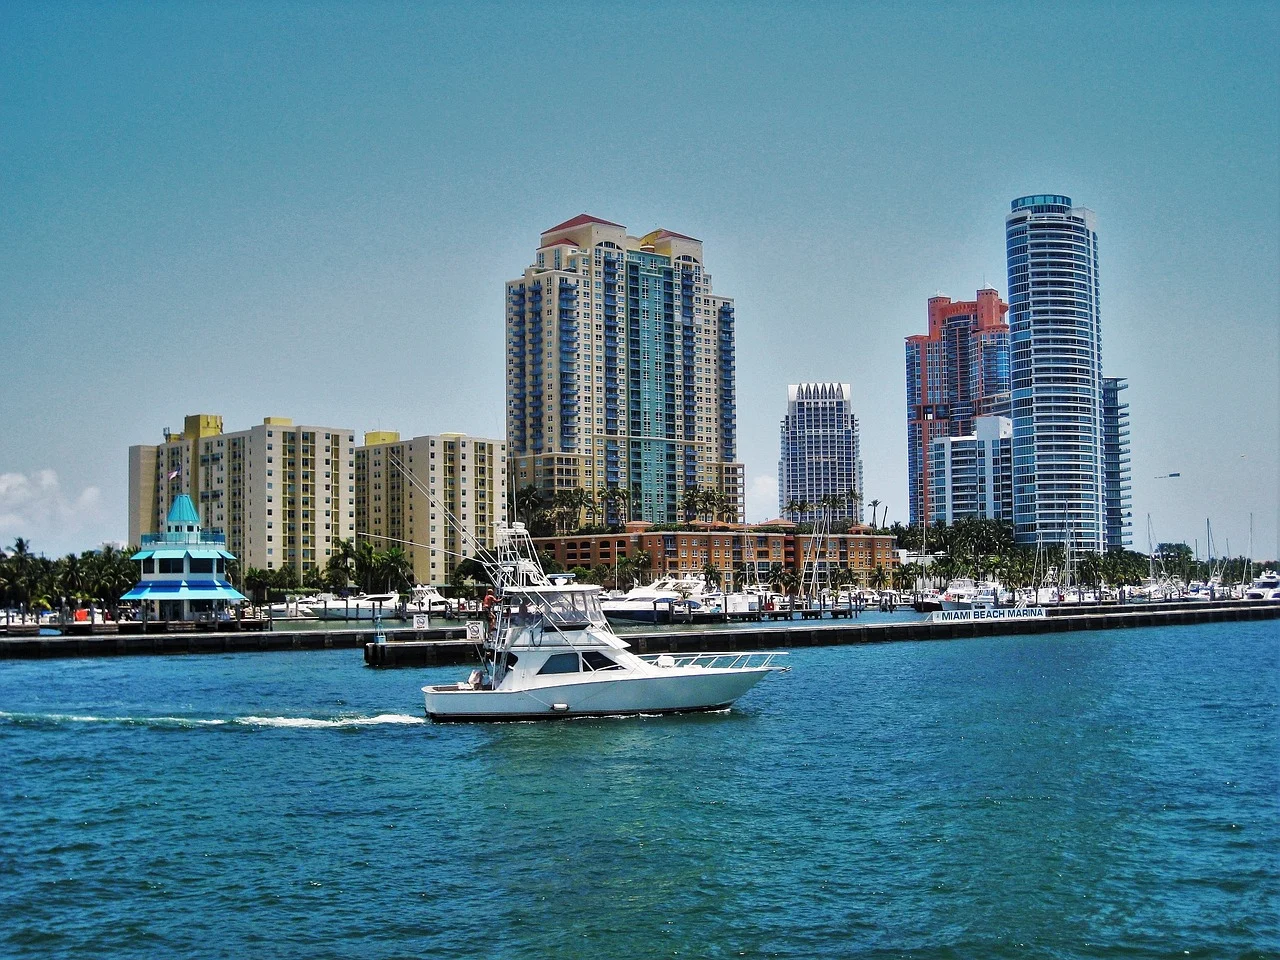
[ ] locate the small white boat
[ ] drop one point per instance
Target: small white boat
(367, 606)
(551, 654)
(1264, 587)
(959, 594)
(653, 603)
(427, 599)
(984, 595)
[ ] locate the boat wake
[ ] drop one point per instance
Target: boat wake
(306, 723)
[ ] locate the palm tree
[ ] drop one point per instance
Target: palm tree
(617, 498)
(528, 501)
(854, 499)
(395, 569)
(797, 508)
(775, 576)
(256, 582)
(691, 503)
(875, 505)
(879, 579)
(364, 566)
(643, 561)
(711, 574)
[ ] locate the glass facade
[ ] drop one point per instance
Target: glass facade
(1056, 368)
(620, 373)
(956, 372)
(1117, 495)
(819, 452)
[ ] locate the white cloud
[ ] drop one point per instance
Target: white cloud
(762, 498)
(36, 507)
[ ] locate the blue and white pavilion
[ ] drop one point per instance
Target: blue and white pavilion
(184, 570)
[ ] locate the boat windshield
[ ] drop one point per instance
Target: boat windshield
(570, 607)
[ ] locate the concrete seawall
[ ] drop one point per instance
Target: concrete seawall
(810, 634)
(444, 646)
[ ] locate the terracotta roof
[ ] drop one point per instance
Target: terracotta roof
(579, 220)
(671, 234)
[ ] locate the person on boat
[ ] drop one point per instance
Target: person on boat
(491, 615)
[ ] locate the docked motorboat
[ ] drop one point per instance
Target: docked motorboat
(927, 601)
(550, 654)
(959, 594)
(660, 600)
(1264, 587)
(427, 599)
(366, 606)
(987, 595)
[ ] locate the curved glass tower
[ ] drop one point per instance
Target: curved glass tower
(1056, 370)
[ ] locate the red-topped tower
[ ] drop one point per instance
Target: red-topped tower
(957, 371)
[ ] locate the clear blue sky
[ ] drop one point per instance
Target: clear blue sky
(309, 210)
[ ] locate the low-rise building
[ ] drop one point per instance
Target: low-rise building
(741, 554)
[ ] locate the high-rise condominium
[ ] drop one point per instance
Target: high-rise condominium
(972, 476)
(435, 497)
(282, 494)
(956, 372)
(1056, 341)
(620, 371)
(1116, 493)
(819, 453)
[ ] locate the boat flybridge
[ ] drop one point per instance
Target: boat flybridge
(550, 653)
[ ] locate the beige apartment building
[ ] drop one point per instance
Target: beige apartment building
(620, 371)
(416, 494)
(282, 494)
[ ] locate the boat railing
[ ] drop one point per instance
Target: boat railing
(718, 661)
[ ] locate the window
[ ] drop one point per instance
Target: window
(595, 660)
(560, 663)
(201, 565)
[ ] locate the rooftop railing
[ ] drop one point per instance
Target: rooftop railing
(154, 539)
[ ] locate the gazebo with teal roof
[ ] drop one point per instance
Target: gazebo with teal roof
(184, 569)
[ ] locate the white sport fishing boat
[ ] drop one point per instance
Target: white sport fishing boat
(551, 654)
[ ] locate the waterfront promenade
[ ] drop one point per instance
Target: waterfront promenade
(448, 645)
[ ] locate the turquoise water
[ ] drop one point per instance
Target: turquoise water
(1079, 795)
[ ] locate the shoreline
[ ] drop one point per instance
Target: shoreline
(449, 646)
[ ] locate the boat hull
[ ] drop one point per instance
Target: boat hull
(684, 691)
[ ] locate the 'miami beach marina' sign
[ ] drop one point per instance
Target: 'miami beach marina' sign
(999, 613)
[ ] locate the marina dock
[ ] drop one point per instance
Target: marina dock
(810, 634)
(440, 646)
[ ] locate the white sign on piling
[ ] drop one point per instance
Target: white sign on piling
(475, 630)
(997, 613)
(421, 621)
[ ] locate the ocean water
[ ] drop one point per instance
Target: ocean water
(1109, 794)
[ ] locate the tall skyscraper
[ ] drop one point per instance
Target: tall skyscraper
(959, 370)
(1116, 493)
(467, 476)
(819, 452)
(281, 493)
(1056, 340)
(620, 371)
